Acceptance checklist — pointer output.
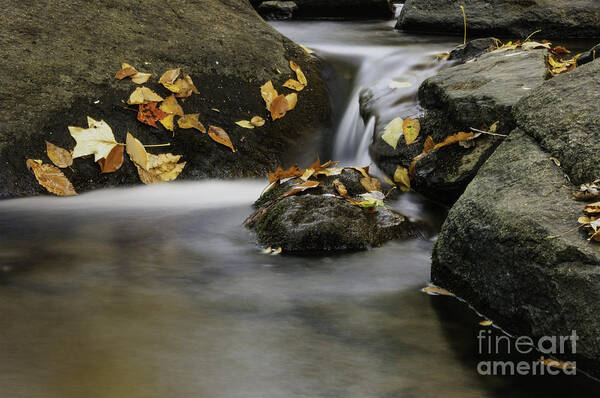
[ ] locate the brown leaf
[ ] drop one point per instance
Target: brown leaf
(454, 138)
(150, 114)
(294, 85)
(51, 178)
(279, 107)
(143, 95)
(168, 78)
(557, 364)
(371, 184)
(220, 136)
(126, 71)
(113, 161)
(401, 177)
(185, 86)
(340, 187)
(190, 121)
(429, 144)
(301, 188)
(59, 156)
(281, 174)
(292, 100)
(592, 209)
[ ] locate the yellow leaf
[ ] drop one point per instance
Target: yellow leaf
(486, 323)
(584, 220)
(97, 139)
(168, 78)
(306, 49)
(143, 95)
(294, 85)
(292, 100)
(307, 174)
(59, 156)
(51, 178)
(257, 121)
(299, 74)
(436, 291)
(300, 188)
(126, 71)
(220, 136)
(340, 187)
(136, 151)
(371, 184)
(185, 86)
(268, 93)
(401, 177)
(140, 78)
(190, 121)
(167, 122)
(411, 129)
(171, 106)
(245, 124)
(393, 131)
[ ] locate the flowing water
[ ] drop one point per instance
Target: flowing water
(160, 292)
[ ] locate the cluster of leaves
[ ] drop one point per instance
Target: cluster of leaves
(279, 104)
(590, 221)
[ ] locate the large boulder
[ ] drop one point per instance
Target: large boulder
(61, 61)
(472, 95)
(516, 18)
(320, 220)
(494, 249)
(325, 9)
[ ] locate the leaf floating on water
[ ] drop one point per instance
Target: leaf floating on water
(393, 131)
(257, 121)
(113, 161)
(150, 114)
(59, 156)
(190, 121)
(301, 188)
(97, 139)
(51, 178)
(245, 124)
(171, 106)
(220, 136)
(436, 291)
(411, 129)
(279, 107)
(402, 179)
(143, 95)
(486, 323)
(340, 187)
(371, 184)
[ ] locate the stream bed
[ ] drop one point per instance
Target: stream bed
(159, 291)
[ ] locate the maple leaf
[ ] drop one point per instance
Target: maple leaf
(171, 106)
(393, 131)
(113, 161)
(143, 95)
(220, 136)
(59, 156)
(150, 114)
(51, 178)
(190, 121)
(411, 129)
(97, 139)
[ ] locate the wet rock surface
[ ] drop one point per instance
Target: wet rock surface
(326, 9)
(63, 59)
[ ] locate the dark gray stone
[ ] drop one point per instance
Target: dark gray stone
(339, 9)
(514, 18)
(589, 56)
(277, 9)
(473, 49)
(62, 59)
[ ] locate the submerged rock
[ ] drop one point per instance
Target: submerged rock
(62, 60)
(327, 9)
(320, 220)
(472, 95)
(516, 18)
(494, 250)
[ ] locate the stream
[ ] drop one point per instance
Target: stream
(158, 291)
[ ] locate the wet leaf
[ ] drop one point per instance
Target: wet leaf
(136, 151)
(411, 129)
(126, 71)
(402, 179)
(190, 121)
(281, 174)
(143, 95)
(362, 170)
(393, 131)
(534, 45)
(279, 107)
(371, 184)
(168, 79)
(51, 178)
(592, 209)
(153, 168)
(454, 138)
(59, 156)
(140, 77)
(97, 139)
(113, 161)
(428, 145)
(220, 136)
(150, 114)
(340, 188)
(294, 85)
(185, 86)
(257, 121)
(292, 100)
(268, 93)
(307, 50)
(301, 188)
(436, 291)
(299, 74)
(167, 122)
(171, 106)
(245, 124)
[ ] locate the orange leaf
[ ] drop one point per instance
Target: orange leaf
(301, 188)
(454, 138)
(127, 71)
(113, 161)
(150, 114)
(219, 135)
(429, 144)
(268, 93)
(279, 107)
(281, 174)
(51, 178)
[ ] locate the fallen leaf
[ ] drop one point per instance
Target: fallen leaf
(126, 71)
(411, 129)
(185, 86)
(436, 291)
(454, 138)
(276, 251)
(153, 168)
(171, 106)
(307, 50)
(97, 139)
(113, 161)
(533, 45)
(340, 188)
(299, 74)
(557, 364)
(592, 209)
(220, 136)
(245, 124)
(150, 114)
(330, 171)
(307, 174)
(257, 121)
(279, 107)
(362, 170)
(401, 177)
(301, 188)
(51, 178)
(393, 131)
(190, 121)
(428, 145)
(140, 77)
(292, 100)
(59, 156)
(143, 95)
(268, 93)
(167, 122)
(168, 79)
(268, 250)
(371, 184)
(294, 85)
(281, 174)
(486, 323)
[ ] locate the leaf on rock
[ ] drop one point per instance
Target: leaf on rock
(220, 136)
(153, 168)
(557, 364)
(299, 74)
(257, 121)
(51, 178)
(592, 209)
(279, 107)
(411, 129)
(268, 93)
(281, 174)
(136, 151)
(292, 100)
(167, 122)
(150, 114)
(534, 45)
(140, 77)
(340, 188)
(190, 121)
(168, 79)
(97, 139)
(113, 161)
(171, 106)
(294, 85)
(247, 124)
(454, 138)
(59, 156)
(402, 179)
(428, 145)
(143, 95)
(371, 184)
(436, 291)
(393, 131)
(301, 188)
(185, 86)
(362, 170)
(129, 71)
(487, 322)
